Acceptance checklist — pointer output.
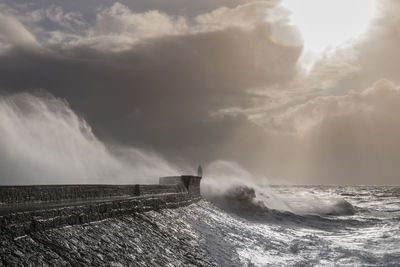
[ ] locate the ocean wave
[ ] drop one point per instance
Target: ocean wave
(337, 207)
(252, 203)
(239, 199)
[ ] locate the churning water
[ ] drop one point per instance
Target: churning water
(318, 225)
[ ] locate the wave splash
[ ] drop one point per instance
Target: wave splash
(245, 200)
(234, 189)
(44, 142)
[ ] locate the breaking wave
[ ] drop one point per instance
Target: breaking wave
(245, 200)
(234, 189)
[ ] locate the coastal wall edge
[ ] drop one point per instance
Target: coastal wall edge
(26, 209)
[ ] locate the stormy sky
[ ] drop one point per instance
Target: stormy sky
(202, 81)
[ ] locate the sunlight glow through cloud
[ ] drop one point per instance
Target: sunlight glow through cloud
(328, 25)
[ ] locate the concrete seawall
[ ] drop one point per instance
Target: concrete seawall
(26, 209)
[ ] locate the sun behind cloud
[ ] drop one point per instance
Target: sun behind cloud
(327, 25)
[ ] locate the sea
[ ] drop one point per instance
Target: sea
(300, 226)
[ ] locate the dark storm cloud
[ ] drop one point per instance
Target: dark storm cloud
(162, 93)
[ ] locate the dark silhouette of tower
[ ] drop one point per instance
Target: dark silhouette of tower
(200, 171)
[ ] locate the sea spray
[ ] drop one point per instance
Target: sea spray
(229, 185)
(43, 141)
(232, 188)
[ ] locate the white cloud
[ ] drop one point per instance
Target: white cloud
(245, 16)
(118, 28)
(67, 19)
(13, 33)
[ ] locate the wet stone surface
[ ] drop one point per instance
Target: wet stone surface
(154, 238)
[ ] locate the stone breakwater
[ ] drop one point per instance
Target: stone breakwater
(27, 209)
(99, 225)
(168, 237)
(116, 226)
